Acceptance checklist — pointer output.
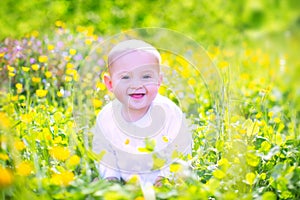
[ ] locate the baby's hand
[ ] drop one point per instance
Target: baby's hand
(159, 181)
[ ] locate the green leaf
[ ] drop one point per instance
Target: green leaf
(269, 196)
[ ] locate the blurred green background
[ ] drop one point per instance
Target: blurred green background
(217, 21)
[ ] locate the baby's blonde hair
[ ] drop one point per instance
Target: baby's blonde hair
(129, 46)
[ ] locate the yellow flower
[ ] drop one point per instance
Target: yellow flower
(76, 76)
(35, 67)
(19, 86)
(60, 153)
(4, 157)
(139, 198)
(68, 78)
(25, 69)
(43, 59)
(72, 52)
(100, 86)
(59, 94)
(41, 93)
(250, 178)
(244, 76)
(74, 160)
(270, 114)
(10, 68)
(25, 168)
(223, 64)
(127, 141)
(88, 41)
(11, 74)
(175, 167)
(261, 123)
(97, 103)
(67, 58)
(165, 138)
(258, 115)
(4, 120)
(191, 81)
(50, 47)
(70, 66)
(35, 33)
(59, 23)
(63, 179)
(22, 97)
(80, 28)
(15, 98)
(48, 74)
(19, 145)
(277, 120)
(2, 54)
(36, 79)
(57, 140)
(6, 177)
(71, 71)
(219, 174)
(27, 118)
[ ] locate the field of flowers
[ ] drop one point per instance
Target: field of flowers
(245, 147)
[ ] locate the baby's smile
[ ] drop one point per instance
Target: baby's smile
(137, 95)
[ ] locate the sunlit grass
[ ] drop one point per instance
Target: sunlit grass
(48, 106)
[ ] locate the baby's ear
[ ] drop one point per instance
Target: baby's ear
(107, 81)
(160, 79)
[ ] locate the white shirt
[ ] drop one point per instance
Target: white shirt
(146, 147)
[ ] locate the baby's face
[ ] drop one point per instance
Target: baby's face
(135, 79)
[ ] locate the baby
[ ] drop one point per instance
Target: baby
(140, 132)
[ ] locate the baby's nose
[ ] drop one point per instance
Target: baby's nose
(136, 83)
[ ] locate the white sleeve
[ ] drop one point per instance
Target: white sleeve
(98, 145)
(106, 172)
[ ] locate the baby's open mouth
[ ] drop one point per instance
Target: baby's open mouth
(137, 95)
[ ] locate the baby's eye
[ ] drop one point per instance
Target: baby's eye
(125, 77)
(147, 76)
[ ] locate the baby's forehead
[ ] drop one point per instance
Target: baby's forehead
(132, 54)
(132, 46)
(134, 60)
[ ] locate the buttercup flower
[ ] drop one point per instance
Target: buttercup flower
(19, 86)
(36, 79)
(48, 74)
(25, 69)
(72, 52)
(41, 93)
(10, 68)
(25, 168)
(26, 118)
(68, 78)
(11, 74)
(4, 157)
(60, 153)
(70, 66)
(35, 67)
(50, 47)
(4, 120)
(62, 179)
(19, 145)
(43, 59)
(6, 177)
(74, 160)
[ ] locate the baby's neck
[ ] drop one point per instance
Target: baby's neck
(132, 115)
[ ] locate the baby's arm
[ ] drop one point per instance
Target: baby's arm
(99, 145)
